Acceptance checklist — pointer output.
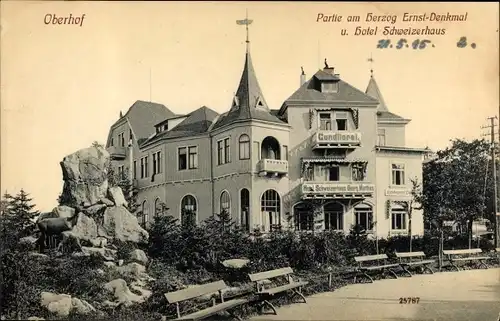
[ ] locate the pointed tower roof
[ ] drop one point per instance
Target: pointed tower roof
(373, 91)
(383, 113)
(249, 102)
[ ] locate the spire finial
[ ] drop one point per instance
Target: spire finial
(302, 69)
(326, 64)
(246, 22)
(371, 65)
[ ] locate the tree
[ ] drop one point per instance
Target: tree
(456, 185)
(413, 203)
(21, 213)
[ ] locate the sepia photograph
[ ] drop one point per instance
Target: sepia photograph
(249, 160)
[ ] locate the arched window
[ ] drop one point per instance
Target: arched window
(245, 209)
(244, 142)
(304, 216)
(271, 210)
(145, 213)
(159, 207)
(334, 216)
(363, 216)
(225, 202)
(188, 210)
(270, 148)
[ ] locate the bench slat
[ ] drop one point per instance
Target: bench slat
(282, 288)
(409, 254)
(470, 258)
(380, 267)
(370, 257)
(190, 293)
(270, 274)
(461, 252)
(418, 262)
(214, 309)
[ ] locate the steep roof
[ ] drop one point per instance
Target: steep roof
(196, 122)
(311, 91)
(143, 116)
(383, 112)
(373, 91)
(249, 102)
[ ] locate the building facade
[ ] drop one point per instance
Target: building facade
(331, 157)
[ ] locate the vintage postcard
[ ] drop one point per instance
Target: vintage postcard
(250, 160)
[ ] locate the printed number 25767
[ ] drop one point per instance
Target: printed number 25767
(409, 300)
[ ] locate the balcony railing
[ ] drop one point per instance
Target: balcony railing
(352, 190)
(324, 139)
(117, 153)
(273, 166)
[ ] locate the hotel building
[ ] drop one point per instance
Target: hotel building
(332, 156)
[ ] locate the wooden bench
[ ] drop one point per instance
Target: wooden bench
(264, 294)
(191, 293)
(409, 260)
(378, 264)
(467, 255)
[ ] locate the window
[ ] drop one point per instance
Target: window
(304, 217)
(223, 151)
(146, 167)
(381, 137)
(227, 152)
(341, 120)
(121, 138)
(157, 162)
(182, 158)
(135, 170)
(398, 216)
(334, 216)
(325, 121)
(193, 157)
(142, 168)
(225, 202)
(271, 210)
(329, 87)
(398, 174)
(112, 141)
(363, 215)
(285, 151)
(188, 157)
(244, 147)
(121, 172)
(245, 209)
(159, 207)
(165, 127)
(130, 134)
(334, 173)
(188, 210)
(145, 213)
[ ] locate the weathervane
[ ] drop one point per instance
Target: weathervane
(245, 22)
(371, 64)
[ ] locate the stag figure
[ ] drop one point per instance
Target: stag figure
(54, 226)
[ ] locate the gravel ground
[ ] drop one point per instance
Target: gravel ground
(466, 295)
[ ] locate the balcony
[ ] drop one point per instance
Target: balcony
(327, 139)
(275, 167)
(337, 190)
(117, 153)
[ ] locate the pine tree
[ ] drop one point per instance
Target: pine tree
(22, 213)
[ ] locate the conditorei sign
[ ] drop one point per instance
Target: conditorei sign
(397, 192)
(331, 188)
(338, 137)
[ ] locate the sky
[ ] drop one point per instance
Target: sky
(63, 86)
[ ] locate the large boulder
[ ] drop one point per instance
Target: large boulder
(85, 176)
(115, 194)
(59, 304)
(81, 306)
(138, 256)
(120, 224)
(122, 293)
(85, 228)
(106, 254)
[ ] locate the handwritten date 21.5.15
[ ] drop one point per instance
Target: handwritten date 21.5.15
(404, 43)
(409, 300)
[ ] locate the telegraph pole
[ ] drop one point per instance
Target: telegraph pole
(496, 216)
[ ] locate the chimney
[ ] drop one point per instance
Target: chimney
(302, 77)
